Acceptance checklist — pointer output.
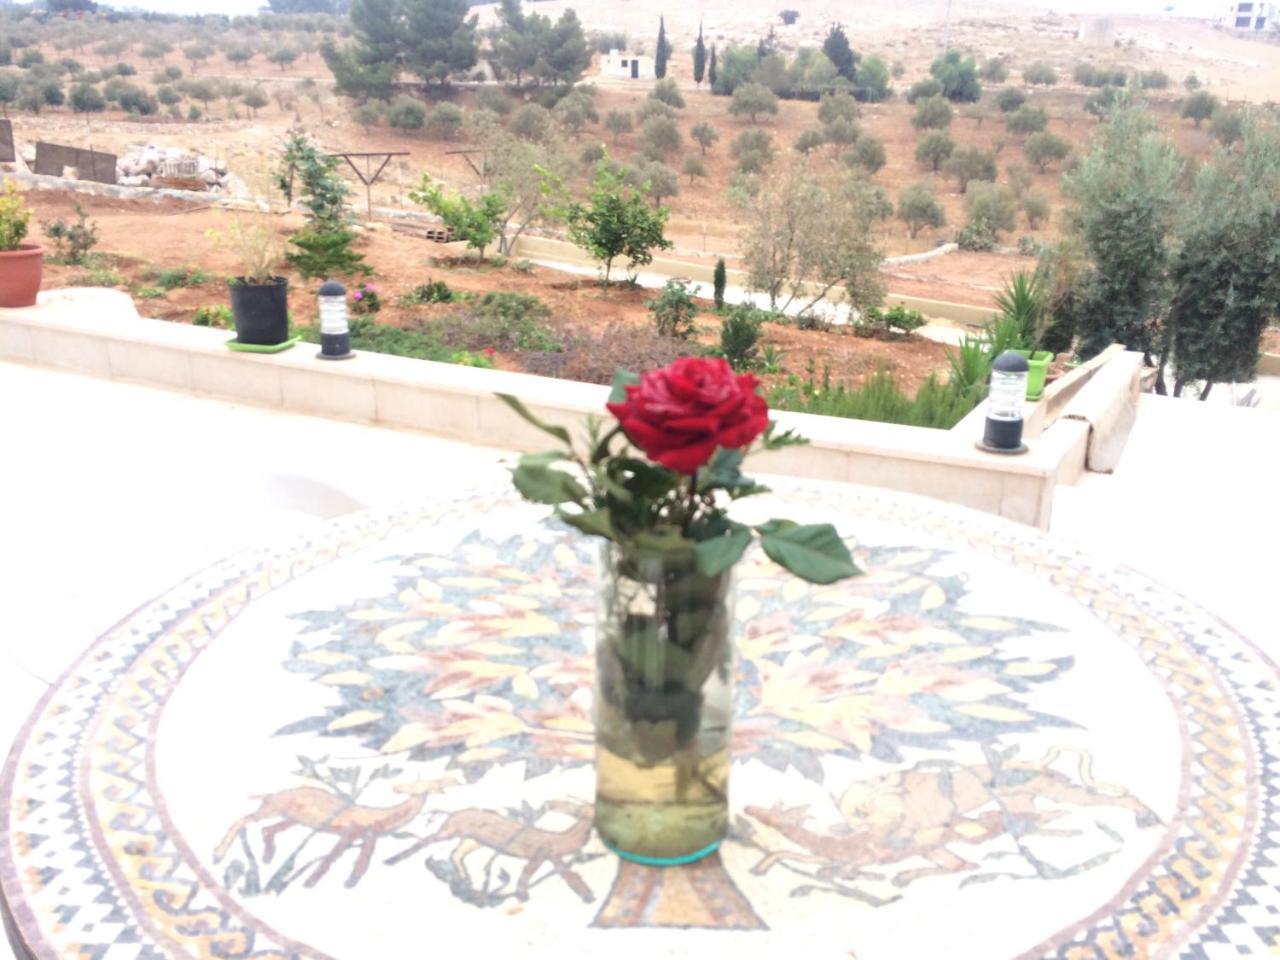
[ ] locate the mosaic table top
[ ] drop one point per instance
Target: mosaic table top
(376, 743)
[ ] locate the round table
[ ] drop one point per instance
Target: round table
(376, 743)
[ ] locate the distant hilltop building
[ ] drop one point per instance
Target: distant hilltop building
(1097, 32)
(1248, 15)
(623, 65)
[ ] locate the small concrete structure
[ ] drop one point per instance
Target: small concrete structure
(1248, 15)
(626, 66)
(1097, 32)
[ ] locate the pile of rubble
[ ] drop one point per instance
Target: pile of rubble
(154, 166)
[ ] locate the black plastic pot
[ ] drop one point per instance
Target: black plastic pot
(261, 311)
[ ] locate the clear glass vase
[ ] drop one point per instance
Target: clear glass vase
(663, 706)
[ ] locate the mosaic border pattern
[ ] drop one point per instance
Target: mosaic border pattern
(1210, 890)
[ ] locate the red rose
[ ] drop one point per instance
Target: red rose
(680, 414)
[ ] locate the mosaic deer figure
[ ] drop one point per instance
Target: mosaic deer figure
(324, 811)
(476, 829)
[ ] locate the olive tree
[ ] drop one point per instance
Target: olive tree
(809, 234)
(753, 99)
(1026, 120)
(919, 208)
(931, 113)
(1226, 287)
(1124, 197)
(705, 135)
(1043, 149)
(1199, 106)
(934, 148)
(970, 163)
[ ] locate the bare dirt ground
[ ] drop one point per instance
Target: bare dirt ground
(704, 222)
(139, 238)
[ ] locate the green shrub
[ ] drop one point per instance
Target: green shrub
(719, 281)
(407, 113)
(365, 300)
(1010, 99)
(515, 321)
(102, 277)
(433, 291)
(868, 153)
(976, 238)
(924, 89)
(898, 320)
(932, 113)
(174, 277)
(491, 98)
(218, 315)
(1040, 73)
(673, 311)
(740, 337)
(150, 293)
(667, 92)
(445, 121)
(73, 241)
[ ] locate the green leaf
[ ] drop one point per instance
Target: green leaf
(541, 484)
(813, 552)
(718, 555)
(543, 459)
(770, 527)
(776, 441)
(622, 379)
(596, 523)
(560, 433)
(648, 481)
(723, 472)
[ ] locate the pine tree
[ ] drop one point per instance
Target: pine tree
(836, 47)
(711, 68)
(663, 51)
(699, 58)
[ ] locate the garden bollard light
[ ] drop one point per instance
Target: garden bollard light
(335, 331)
(1003, 431)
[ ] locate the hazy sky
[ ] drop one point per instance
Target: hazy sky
(1186, 7)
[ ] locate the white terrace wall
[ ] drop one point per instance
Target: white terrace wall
(98, 332)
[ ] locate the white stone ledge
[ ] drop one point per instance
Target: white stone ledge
(98, 332)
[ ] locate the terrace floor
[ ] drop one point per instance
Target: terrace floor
(113, 493)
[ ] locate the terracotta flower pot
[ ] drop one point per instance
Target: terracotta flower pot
(20, 273)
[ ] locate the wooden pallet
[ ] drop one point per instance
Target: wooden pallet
(179, 183)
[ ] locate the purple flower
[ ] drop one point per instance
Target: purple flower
(358, 295)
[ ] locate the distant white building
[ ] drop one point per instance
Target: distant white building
(1249, 15)
(624, 66)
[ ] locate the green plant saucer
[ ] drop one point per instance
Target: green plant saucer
(234, 344)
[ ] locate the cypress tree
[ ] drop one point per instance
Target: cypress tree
(711, 68)
(663, 51)
(720, 282)
(699, 58)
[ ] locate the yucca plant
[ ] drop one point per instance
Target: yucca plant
(1022, 303)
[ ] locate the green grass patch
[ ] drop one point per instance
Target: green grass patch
(938, 404)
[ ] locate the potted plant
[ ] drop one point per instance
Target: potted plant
(1022, 305)
(21, 264)
(259, 298)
